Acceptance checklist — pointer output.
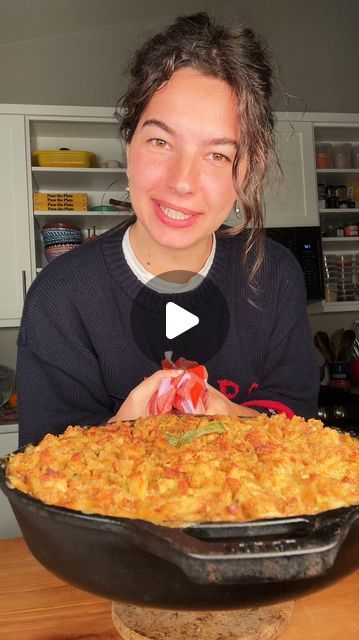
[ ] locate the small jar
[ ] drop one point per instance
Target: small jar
(342, 156)
(331, 291)
(355, 156)
(321, 195)
(356, 194)
(331, 198)
(324, 155)
(340, 231)
(351, 230)
(321, 190)
(331, 231)
(342, 192)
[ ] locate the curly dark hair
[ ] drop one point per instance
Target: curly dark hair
(232, 54)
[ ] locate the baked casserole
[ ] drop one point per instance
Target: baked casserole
(174, 469)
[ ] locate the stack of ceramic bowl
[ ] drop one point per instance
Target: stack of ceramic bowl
(330, 277)
(346, 277)
(59, 238)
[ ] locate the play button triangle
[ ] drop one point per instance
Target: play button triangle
(178, 320)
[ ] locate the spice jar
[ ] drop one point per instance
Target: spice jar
(324, 155)
(351, 229)
(332, 200)
(355, 156)
(342, 192)
(321, 195)
(356, 194)
(343, 156)
(331, 231)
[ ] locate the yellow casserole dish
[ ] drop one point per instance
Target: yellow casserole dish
(63, 158)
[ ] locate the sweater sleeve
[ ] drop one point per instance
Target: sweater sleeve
(58, 377)
(290, 377)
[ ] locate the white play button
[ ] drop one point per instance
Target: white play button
(178, 320)
(158, 324)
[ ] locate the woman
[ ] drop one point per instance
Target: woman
(199, 138)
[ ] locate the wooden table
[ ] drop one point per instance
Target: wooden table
(35, 605)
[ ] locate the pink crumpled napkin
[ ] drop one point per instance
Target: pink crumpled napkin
(187, 393)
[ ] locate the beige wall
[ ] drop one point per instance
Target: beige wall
(8, 339)
(314, 43)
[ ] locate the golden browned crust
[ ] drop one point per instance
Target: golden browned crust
(242, 470)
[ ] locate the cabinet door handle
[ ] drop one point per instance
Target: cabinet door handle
(24, 285)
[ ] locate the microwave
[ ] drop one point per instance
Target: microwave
(306, 245)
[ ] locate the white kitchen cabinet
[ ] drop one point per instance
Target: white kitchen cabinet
(291, 200)
(15, 266)
(8, 443)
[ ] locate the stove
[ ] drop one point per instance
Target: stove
(339, 408)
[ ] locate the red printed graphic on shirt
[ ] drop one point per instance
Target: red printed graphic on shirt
(228, 388)
(231, 389)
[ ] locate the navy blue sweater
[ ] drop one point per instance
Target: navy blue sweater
(78, 360)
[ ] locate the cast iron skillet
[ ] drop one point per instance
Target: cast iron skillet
(206, 566)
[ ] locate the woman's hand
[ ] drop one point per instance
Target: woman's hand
(137, 401)
(217, 403)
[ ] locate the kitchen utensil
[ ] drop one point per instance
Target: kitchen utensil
(355, 348)
(123, 204)
(203, 566)
(336, 341)
(339, 374)
(322, 342)
(346, 345)
(354, 372)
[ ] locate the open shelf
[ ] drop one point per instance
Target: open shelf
(332, 307)
(337, 171)
(82, 219)
(65, 179)
(341, 240)
(345, 211)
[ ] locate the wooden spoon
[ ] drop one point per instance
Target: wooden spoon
(336, 341)
(346, 345)
(322, 342)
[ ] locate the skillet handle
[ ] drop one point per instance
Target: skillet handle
(265, 551)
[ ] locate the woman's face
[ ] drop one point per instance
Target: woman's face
(180, 160)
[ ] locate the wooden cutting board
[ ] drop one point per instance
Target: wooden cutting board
(144, 623)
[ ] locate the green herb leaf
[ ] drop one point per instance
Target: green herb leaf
(211, 427)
